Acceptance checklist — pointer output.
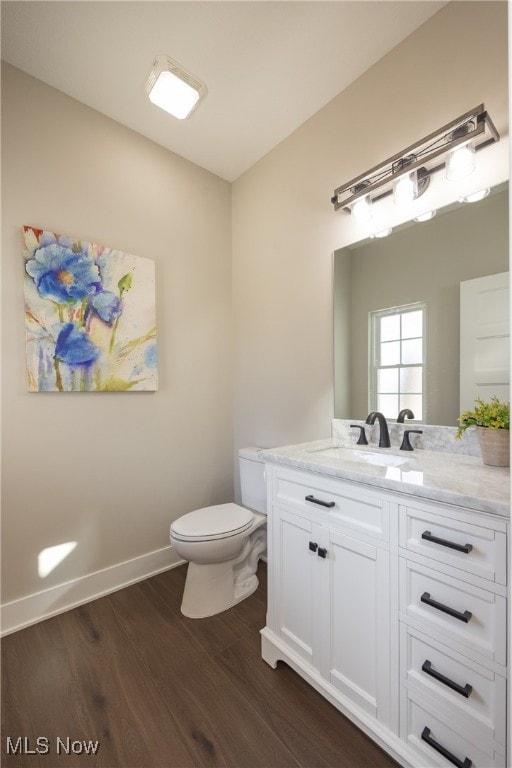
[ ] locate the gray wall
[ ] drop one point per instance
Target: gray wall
(424, 262)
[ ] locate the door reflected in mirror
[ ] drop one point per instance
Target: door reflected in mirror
(420, 263)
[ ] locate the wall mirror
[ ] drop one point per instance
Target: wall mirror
(420, 262)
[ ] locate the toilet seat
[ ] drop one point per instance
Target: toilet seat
(210, 523)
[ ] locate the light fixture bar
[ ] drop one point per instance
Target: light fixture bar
(427, 153)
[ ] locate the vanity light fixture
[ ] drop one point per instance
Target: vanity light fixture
(172, 88)
(407, 174)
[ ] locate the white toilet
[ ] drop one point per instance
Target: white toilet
(223, 544)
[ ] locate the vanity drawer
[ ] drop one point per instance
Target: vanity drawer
(442, 741)
(456, 541)
(335, 503)
(456, 610)
(477, 695)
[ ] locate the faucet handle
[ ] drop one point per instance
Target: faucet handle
(406, 443)
(362, 435)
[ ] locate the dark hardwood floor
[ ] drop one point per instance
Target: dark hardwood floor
(156, 689)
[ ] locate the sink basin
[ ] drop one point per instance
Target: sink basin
(368, 457)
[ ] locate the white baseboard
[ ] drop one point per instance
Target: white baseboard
(49, 602)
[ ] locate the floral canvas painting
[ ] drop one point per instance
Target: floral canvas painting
(89, 316)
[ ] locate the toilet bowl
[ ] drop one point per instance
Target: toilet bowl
(223, 544)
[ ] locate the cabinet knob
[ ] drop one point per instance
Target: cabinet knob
(313, 546)
(322, 552)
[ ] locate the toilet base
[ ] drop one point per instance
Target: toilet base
(211, 589)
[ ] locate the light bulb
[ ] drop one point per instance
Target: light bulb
(425, 216)
(405, 189)
(475, 196)
(460, 163)
(362, 210)
(382, 232)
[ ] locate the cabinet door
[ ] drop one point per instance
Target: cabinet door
(357, 649)
(296, 577)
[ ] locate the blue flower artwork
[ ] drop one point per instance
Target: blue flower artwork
(89, 316)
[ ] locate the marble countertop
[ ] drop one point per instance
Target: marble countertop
(444, 477)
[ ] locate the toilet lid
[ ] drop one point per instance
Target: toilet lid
(212, 522)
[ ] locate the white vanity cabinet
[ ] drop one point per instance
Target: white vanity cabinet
(394, 608)
(329, 598)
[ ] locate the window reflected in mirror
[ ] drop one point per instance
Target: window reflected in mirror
(397, 360)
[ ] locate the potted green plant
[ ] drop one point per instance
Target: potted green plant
(492, 422)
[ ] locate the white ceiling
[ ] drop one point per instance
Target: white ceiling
(269, 66)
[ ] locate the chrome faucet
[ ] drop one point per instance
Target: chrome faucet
(384, 441)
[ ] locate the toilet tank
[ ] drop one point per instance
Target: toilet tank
(252, 480)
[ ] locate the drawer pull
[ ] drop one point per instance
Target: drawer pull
(464, 690)
(466, 763)
(466, 548)
(313, 546)
(465, 617)
(322, 552)
(329, 504)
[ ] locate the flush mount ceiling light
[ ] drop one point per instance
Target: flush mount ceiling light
(173, 89)
(407, 174)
